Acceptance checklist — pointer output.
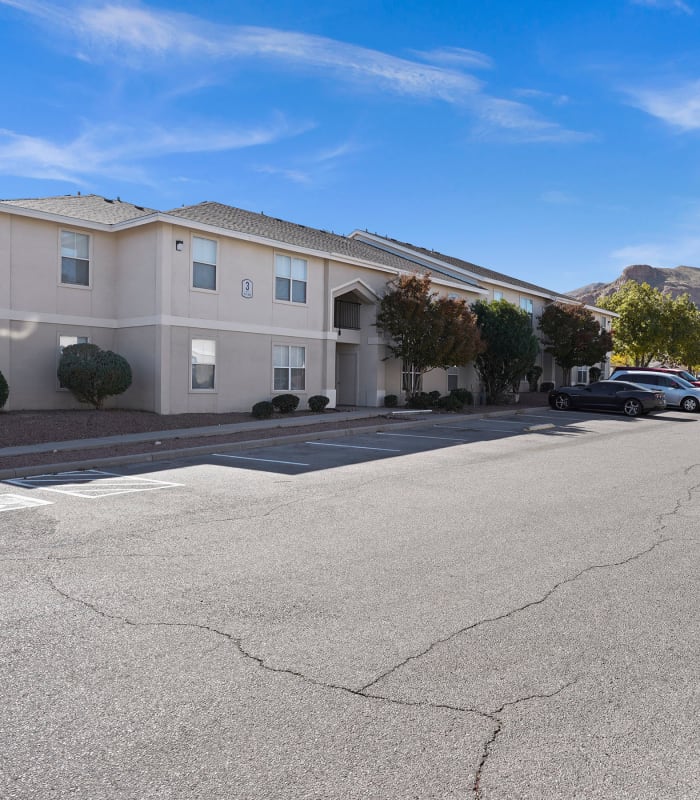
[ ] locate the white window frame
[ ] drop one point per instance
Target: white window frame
(409, 377)
(582, 375)
(286, 268)
(497, 295)
(59, 351)
(88, 260)
(205, 355)
(283, 362)
(203, 263)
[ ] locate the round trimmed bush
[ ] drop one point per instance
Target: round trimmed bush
(464, 395)
(285, 403)
(4, 390)
(262, 410)
(91, 374)
(450, 402)
(390, 401)
(318, 402)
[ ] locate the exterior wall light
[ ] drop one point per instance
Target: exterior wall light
(179, 245)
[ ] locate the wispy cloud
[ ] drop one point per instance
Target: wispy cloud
(667, 5)
(115, 151)
(139, 35)
(683, 251)
(456, 56)
(538, 94)
(678, 107)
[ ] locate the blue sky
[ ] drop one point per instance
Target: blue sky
(556, 141)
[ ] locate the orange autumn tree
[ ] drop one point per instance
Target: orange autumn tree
(426, 331)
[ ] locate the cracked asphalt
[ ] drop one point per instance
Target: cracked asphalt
(513, 615)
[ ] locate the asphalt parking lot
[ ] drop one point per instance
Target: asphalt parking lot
(501, 608)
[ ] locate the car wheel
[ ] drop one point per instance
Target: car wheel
(689, 404)
(562, 402)
(632, 407)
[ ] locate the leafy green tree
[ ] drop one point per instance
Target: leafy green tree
(641, 333)
(92, 374)
(510, 346)
(573, 337)
(683, 332)
(426, 331)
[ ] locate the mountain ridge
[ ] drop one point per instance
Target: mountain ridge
(671, 280)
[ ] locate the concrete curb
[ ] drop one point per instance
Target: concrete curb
(165, 456)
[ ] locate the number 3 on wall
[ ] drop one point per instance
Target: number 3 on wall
(247, 287)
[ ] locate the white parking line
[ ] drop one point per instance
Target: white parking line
(418, 436)
(354, 447)
(265, 460)
(91, 483)
(14, 502)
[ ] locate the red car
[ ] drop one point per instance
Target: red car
(681, 373)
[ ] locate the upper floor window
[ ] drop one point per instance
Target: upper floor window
(203, 263)
(203, 363)
(526, 305)
(497, 295)
(290, 279)
(75, 258)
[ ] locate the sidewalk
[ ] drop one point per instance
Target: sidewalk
(52, 457)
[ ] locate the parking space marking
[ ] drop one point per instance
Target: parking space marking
(91, 483)
(265, 460)
(14, 502)
(419, 436)
(354, 447)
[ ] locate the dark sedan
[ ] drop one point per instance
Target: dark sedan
(629, 398)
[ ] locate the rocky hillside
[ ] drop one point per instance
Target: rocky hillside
(674, 281)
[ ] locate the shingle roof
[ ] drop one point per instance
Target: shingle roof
(88, 207)
(237, 219)
(475, 269)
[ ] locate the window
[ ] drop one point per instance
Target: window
(75, 258)
(290, 279)
(452, 378)
(203, 363)
(66, 341)
(497, 295)
(582, 375)
(526, 305)
(203, 263)
(289, 368)
(410, 377)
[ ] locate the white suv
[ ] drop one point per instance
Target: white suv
(679, 392)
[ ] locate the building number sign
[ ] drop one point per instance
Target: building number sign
(247, 287)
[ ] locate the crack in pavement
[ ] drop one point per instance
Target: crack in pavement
(498, 728)
(512, 612)
(364, 693)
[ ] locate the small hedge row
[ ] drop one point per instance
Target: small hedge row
(286, 404)
(454, 401)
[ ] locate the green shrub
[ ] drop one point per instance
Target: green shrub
(464, 395)
(92, 374)
(450, 402)
(4, 390)
(423, 400)
(546, 386)
(285, 403)
(390, 401)
(318, 402)
(262, 410)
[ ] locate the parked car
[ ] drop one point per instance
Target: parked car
(629, 398)
(679, 392)
(681, 373)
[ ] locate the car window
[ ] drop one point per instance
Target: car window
(642, 377)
